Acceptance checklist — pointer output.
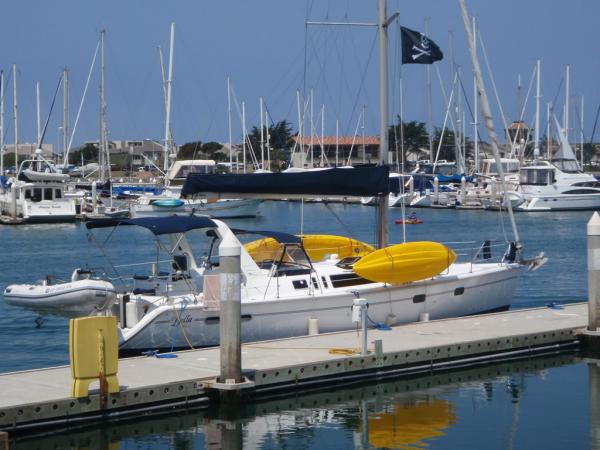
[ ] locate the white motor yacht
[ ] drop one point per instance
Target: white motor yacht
(559, 184)
(37, 193)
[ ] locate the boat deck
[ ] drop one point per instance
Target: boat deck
(36, 398)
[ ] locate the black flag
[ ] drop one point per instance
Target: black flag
(418, 48)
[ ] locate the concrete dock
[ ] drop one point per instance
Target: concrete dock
(42, 398)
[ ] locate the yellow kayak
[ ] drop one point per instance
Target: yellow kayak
(317, 246)
(403, 263)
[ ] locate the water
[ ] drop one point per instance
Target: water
(31, 252)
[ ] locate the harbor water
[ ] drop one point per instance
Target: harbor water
(541, 403)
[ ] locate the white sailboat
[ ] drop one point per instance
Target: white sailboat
(37, 191)
(290, 281)
(283, 291)
(170, 200)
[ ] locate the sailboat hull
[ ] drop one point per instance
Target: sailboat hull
(464, 290)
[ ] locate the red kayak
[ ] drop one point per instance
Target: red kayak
(408, 221)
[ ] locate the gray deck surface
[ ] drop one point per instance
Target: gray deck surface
(52, 384)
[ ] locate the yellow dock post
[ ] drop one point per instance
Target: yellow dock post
(94, 351)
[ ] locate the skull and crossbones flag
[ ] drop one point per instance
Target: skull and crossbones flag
(418, 48)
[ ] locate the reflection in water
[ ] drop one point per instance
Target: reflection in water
(405, 424)
(430, 411)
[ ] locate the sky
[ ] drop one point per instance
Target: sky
(267, 50)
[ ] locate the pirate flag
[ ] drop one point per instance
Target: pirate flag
(418, 49)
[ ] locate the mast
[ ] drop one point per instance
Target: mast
(312, 129)
(16, 117)
(1, 122)
(429, 100)
(229, 124)
(536, 144)
(581, 132)
(268, 141)
(382, 211)
(103, 144)
(262, 135)
(244, 135)
(487, 114)
(323, 135)
(65, 130)
(337, 141)
(567, 94)
(38, 114)
(168, 140)
(548, 132)
(362, 126)
(475, 103)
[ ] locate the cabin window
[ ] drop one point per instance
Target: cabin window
(592, 184)
(459, 291)
(28, 193)
(537, 177)
(347, 279)
(324, 282)
(57, 193)
(581, 191)
(300, 284)
(420, 298)
(37, 194)
(47, 193)
(315, 283)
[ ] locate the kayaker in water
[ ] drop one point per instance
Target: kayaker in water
(412, 217)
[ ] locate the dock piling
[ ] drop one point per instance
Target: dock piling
(359, 315)
(593, 242)
(231, 308)
(3, 440)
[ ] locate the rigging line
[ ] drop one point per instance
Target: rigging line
(50, 112)
(595, 123)
(344, 226)
(87, 84)
(556, 94)
(322, 74)
(121, 86)
(491, 74)
(199, 76)
(100, 246)
(308, 10)
(10, 129)
(244, 132)
(472, 115)
(579, 121)
(363, 77)
(522, 112)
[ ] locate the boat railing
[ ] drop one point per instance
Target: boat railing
(473, 250)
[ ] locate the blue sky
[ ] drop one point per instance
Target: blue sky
(262, 44)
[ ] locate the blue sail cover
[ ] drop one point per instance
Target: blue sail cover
(352, 181)
(282, 238)
(158, 225)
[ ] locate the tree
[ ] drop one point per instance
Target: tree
(198, 150)
(415, 137)
(279, 136)
(279, 142)
(189, 150)
(87, 153)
